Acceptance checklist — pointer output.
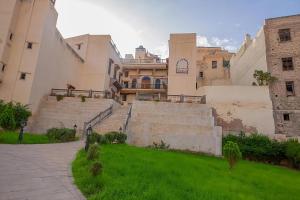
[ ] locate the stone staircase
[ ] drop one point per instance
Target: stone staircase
(114, 122)
(66, 113)
(184, 126)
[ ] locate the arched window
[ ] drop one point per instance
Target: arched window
(157, 83)
(146, 82)
(133, 83)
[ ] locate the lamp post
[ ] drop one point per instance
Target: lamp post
(89, 131)
(75, 128)
(21, 134)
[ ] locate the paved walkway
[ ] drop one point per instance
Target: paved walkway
(38, 172)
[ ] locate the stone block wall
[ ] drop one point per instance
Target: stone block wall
(276, 50)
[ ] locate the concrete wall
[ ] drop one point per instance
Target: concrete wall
(250, 57)
(182, 126)
(241, 108)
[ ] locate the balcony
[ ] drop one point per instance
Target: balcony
(144, 61)
(151, 88)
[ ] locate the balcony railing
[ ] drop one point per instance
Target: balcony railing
(187, 99)
(74, 93)
(146, 86)
(144, 61)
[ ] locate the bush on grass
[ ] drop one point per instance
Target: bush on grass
(232, 153)
(96, 169)
(108, 138)
(12, 115)
(263, 149)
(61, 135)
(93, 152)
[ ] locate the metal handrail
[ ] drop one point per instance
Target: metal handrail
(98, 118)
(125, 126)
(71, 93)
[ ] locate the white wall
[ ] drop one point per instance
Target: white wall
(241, 108)
(251, 57)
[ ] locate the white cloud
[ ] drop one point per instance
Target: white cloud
(225, 43)
(162, 51)
(203, 41)
(78, 17)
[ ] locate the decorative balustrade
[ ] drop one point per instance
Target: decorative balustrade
(144, 61)
(187, 99)
(146, 86)
(74, 93)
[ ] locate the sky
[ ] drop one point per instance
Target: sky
(149, 22)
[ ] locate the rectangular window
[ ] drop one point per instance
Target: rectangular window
(201, 75)
(287, 64)
(286, 117)
(109, 66)
(126, 84)
(29, 45)
(284, 35)
(78, 46)
(3, 67)
(126, 74)
(290, 90)
(214, 64)
(11, 36)
(124, 97)
(23, 76)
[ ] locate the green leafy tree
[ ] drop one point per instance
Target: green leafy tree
(7, 118)
(232, 153)
(263, 78)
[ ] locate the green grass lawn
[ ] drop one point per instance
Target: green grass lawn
(12, 138)
(133, 173)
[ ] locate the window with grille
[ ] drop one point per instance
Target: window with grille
(290, 88)
(287, 64)
(284, 35)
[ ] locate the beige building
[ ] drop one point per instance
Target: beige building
(145, 77)
(35, 58)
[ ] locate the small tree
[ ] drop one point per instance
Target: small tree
(93, 152)
(263, 78)
(232, 153)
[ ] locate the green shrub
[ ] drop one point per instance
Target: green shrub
(259, 148)
(115, 137)
(21, 113)
(12, 115)
(96, 169)
(93, 152)
(232, 153)
(293, 152)
(82, 98)
(97, 138)
(61, 135)
(59, 97)
(161, 145)
(7, 118)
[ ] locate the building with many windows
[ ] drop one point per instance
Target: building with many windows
(145, 77)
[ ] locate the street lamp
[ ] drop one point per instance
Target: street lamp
(75, 128)
(89, 131)
(21, 134)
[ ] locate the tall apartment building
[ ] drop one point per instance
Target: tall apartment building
(275, 49)
(283, 61)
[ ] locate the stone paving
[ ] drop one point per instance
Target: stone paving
(38, 172)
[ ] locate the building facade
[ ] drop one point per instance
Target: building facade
(35, 58)
(283, 62)
(275, 49)
(145, 77)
